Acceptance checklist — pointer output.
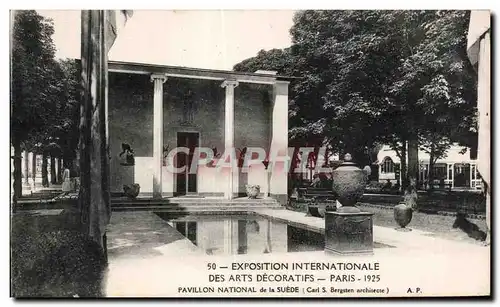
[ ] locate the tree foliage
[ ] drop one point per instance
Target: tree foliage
(371, 77)
(44, 93)
(32, 67)
(65, 128)
(273, 60)
(33, 71)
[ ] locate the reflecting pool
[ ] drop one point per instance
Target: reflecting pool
(245, 234)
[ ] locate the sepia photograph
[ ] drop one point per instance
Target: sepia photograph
(250, 153)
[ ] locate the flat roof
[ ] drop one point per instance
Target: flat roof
(195, 73)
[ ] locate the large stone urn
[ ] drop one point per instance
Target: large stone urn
(348, 231)
(132, 190)
(403, 215)
(349, 183)
(253, 191)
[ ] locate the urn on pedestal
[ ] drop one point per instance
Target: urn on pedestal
(349, 182)
(349, 231)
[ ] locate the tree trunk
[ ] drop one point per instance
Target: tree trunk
(430, 173)
(69, 159)
(53, 178)
(59, 170)
(45, 179)
(403, 171)
(26, 167)
(411, 190)
(17, 187)
(33, 168)
(413, 160)
(94, 198)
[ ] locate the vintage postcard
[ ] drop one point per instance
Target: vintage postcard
(250, 153)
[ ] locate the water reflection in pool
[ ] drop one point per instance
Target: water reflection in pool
(243, 234)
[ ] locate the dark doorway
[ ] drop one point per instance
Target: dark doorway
(187, 182)
(462, 175)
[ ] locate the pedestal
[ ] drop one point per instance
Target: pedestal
(349, 233)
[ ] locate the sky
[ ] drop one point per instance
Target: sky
(212, 39)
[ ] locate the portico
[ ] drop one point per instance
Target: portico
(180, 107)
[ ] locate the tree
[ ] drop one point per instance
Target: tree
(386, 76)
(68, 126)
(435, 80)
(369, 77)
(59, 138)
(436, 145)
(32, 70)
(317, 113)
(347, 58)
(60, 135)
(279, 60)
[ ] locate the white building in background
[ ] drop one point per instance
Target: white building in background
(456, 170)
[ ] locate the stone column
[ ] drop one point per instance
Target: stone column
(229, 85)
(158, 80)
(279, 142)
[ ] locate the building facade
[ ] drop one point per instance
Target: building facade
(456, 170)
(154, 109)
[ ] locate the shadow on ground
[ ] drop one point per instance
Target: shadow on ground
(442, 226)
(468, 227)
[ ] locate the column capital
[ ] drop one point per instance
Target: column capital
(281, 82)
(162, 77)
(281, 87)
(231, 83)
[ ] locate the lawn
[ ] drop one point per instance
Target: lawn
(51, 258)
(440, 225)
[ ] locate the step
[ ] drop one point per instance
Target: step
(319, 194)
(191, 204)
(120, 202)
(194, 208)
